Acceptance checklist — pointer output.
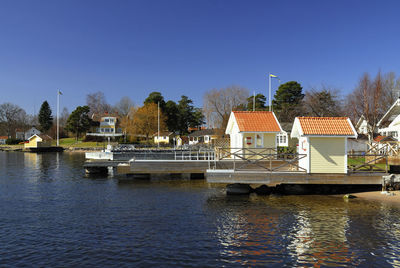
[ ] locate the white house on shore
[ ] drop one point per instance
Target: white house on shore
(203, 136)
(389, 124)
(323, 143)
(253, 129)
(165, 137)
(3, 139)
(107, 128)
(25, 135)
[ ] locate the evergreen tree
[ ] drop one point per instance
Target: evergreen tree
(45, 117)
(156, 97)
(287, 101)
(189, 116)
(172, 114)
(259, 103)
(79, 122)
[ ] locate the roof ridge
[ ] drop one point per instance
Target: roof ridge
(252, 111)
(327, 117)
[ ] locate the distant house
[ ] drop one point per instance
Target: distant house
(323, 143)
(362, 126)
(39, 141)
(389, 124)
(283, 138)
(25, 135)
(253, 129)
(204, 136)
(107, 128)
(165, 137)
(3, 139)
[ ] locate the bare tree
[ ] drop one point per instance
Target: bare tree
(124, 106)
(218, 104)
(322, 102)
(64, 117)
(367, 100)
(11, 117)
(391, 90)
(97, 104)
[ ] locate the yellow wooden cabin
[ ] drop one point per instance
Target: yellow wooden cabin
(252, 132)
(323, 143)
(39, 141)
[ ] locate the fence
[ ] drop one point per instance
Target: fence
(264, 159)
(367, 163)
(389, 148)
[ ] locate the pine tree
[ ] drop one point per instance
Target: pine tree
(287, 101)
(45, 117)
(79, 122)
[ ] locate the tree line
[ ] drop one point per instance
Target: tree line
(371, 97)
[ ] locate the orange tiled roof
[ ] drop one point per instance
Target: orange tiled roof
(379, 138)
(257, 121)
(337, 126)
(3, 137)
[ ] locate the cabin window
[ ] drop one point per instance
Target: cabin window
(249, 140)
(106, 120)
(259, 141)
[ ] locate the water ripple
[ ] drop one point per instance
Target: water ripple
(52, 215)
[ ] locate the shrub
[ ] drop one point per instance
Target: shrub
(12, 141)
(94, 138)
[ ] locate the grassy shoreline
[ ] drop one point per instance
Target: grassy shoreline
(69, 144)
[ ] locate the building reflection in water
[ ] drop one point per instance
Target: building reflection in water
(32, 160)
(262, 232)
(318, 236)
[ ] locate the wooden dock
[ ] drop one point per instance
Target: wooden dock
(270, 168)
(275, 178)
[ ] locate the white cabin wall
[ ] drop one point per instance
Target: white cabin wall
(304, 148)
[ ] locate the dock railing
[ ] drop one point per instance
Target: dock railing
(367, 163)
(257, 159)
(390, 148)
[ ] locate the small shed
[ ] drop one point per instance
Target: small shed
(253, 129)
(39, 141)
(323, 141)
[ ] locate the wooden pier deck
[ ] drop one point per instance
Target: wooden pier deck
(269, 168)
(274, 178)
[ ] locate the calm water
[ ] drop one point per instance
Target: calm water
(52, 215)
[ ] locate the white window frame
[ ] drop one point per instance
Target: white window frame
(256, 139)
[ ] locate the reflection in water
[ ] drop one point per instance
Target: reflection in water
(51, 215)
(304, 230)
(319, 235)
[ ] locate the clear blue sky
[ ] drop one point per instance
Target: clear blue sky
(130, 48)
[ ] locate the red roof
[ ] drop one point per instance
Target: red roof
(3, 137)
(257, 121)
(337, 126)
(379, 138)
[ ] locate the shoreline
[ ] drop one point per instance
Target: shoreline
(392, 197)
(65, 149)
